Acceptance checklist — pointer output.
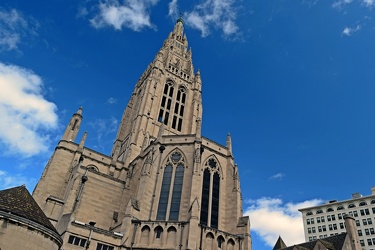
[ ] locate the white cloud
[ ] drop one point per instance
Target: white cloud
(270, 218)
(132, 14)
(13, 26)
(340, 3)
(219, 14)
(347, 31)
(173, 8)
(277, 176)
(369, 3)
(25, 114)
(8, 181)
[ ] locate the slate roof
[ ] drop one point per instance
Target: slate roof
(279, 244)
(18, 201)
(335, 242)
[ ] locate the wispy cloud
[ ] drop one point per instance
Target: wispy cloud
(347, 31)
(132, 14)
(173, 9)
(271, 217)
(103, 128)
(8, 180)
(210, 14)
(111, 100)
(13, 26)
(25, 114)
(369, 3)
(278, 176)
(341, 3)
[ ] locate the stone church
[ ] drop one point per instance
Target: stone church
(164, 186)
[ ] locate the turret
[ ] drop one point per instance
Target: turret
(72, 129)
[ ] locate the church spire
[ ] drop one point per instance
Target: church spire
(72, 129)
(166, 99)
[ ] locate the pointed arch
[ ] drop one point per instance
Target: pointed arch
(230, 244)
(210, 197)
(220, 242)
(171, 189)
(171, 236)
(213, 159)
(145, 234)
(209, 241)
(158, 232)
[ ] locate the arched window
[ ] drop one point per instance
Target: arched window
(351, 205)
(158, 232)
(319, 211)
(340, 207)
(210, 194)
(309, 213)
(220, 241)
(172, 182)
(329, 209)
(372, 201)
(166, 103)
(362, 203)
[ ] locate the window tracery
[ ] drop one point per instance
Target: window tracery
(169, 207)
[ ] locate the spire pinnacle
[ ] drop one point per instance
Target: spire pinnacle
(180, 19)
(229, 142)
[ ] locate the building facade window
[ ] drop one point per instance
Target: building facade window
(169, 207)
(166, 103)
(364, 222)
(77, 241)
(179, 108)
(362, 203)
(210, 194)
(101, 246)
(172, 106)
(362, 242)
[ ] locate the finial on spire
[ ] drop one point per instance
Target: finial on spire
(180, 18)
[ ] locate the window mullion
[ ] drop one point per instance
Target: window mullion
(170, 193)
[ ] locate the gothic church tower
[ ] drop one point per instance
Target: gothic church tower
(164, 186)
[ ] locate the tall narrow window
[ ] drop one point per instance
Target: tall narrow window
(164, 193)
(166, 103)
(210, 195)
(172, 183)
(179, 109)
(215, 200)
(205, 197)
(177, 189)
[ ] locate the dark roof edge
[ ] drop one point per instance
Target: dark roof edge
(29, 223)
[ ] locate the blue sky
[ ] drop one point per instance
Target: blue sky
(292, 81)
